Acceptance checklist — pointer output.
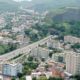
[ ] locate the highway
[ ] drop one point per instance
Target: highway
(25, 50)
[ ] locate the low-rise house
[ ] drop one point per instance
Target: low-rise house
(71, 39)
(38, 74)
(54, 44)
(28, 78)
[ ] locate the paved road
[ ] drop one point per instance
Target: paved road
(24, 50)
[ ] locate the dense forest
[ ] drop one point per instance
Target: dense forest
(5, 48)
(69, 26)
(64, 21)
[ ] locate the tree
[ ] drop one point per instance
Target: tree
(34, 78)
(27, 31)
(77, 77)
(13, 78)
(33, 36)
(2, 50)
(42, 78)
(8, 25)
(25, 69)
(30, 58)
(76, 46)
(12, 46)
(22, 78)
(50, 54)
(19, 75)
(53, 78)
(6, 48)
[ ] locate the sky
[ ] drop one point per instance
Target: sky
(22, 0)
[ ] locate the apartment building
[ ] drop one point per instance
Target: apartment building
(11, 69)
(54, 44)
(73, 62)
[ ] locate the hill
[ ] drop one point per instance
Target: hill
(65, 21)
(8, 5)
(39, 5)
(70, 14)
(42, 5)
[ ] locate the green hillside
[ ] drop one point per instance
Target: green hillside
(42, 5)
(65, 21)
(8, 5)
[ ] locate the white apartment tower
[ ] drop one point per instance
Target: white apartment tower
(12, 69)
(73, 62)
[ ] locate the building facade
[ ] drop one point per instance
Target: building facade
(71, 39)
(11, 69)
(73, 62)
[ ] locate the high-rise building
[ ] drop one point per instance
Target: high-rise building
(11, 69)
(73, 62)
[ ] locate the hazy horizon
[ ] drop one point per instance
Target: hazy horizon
(21, 0)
